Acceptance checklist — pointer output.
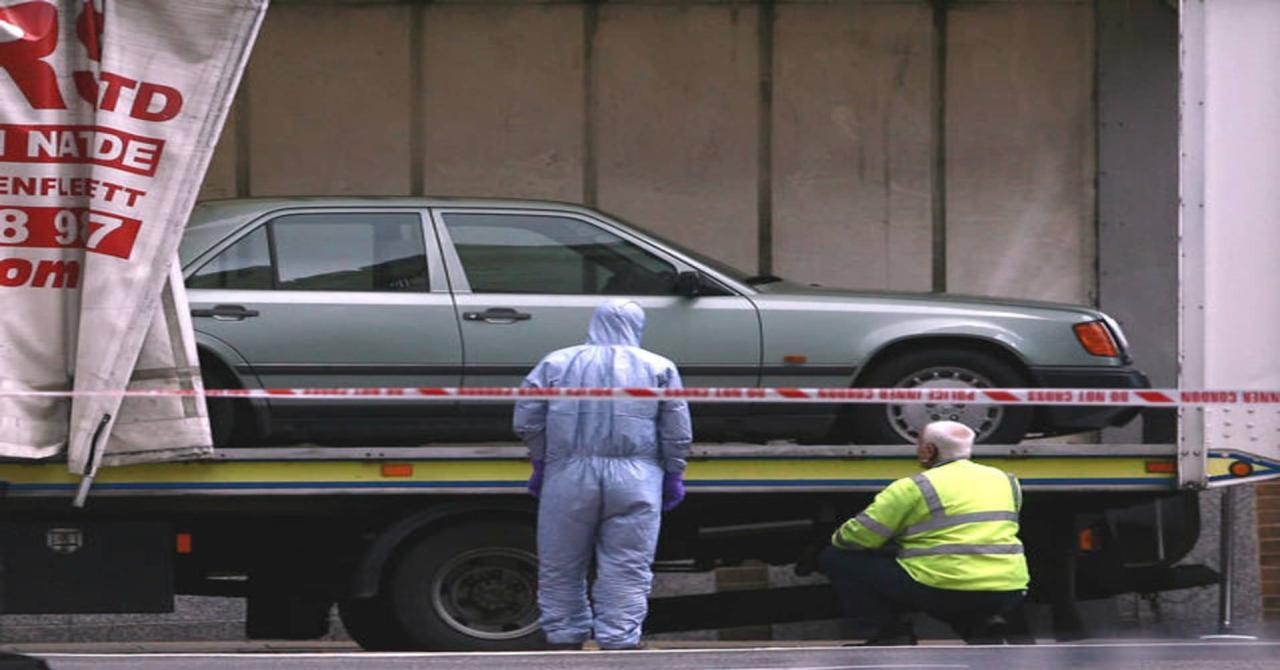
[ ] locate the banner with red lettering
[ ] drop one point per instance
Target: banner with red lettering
(109, 112)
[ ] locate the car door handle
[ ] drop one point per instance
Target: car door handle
(226, 312)
(497, 315)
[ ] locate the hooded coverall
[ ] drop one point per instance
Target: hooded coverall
(602, 488)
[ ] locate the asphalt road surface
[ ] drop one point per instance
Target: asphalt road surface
(1163, 655)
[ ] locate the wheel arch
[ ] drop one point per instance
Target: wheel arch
(972, 342)
(214, 352)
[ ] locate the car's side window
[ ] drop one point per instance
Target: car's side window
(323, 252)
(245, 265)
(518, 253)
(350, 252)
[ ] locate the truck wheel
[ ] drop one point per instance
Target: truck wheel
(372, 624)
(949, 368)
(470, 588)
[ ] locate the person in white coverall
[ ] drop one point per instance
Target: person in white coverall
(603, 472)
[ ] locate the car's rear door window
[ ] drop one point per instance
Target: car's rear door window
(519, 253)
(337, 251)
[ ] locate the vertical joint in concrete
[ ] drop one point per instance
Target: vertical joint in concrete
(764, 156)
(417, 99)
(590, 19)
(244, 166)
(939, 104)
(1095, 109)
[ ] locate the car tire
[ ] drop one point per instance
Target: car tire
(230, 420)
(372, 624)
(950, 367)
(470, 588)
(224, 414)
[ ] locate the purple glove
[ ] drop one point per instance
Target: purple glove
(535, 480)
(672, 490)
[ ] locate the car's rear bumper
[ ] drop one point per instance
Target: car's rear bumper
(1072, 419)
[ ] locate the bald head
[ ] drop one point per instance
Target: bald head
(950, 440)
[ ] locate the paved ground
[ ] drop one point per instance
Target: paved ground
(1139, 655)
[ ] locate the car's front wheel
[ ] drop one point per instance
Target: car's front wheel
(949, 368)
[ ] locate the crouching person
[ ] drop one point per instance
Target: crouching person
(603, 472)
(957, 558)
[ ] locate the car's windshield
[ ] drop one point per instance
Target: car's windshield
(715, 264)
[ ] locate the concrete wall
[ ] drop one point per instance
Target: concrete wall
(676, 122)
(852, 133)
(502, 100)
(1020, 150)
(796, 137)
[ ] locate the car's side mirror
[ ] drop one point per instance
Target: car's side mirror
(689, 283)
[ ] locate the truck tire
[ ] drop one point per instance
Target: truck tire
(372, 624)
(470, 588)
(951, 368)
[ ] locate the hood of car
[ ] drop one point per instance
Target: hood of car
(786, 290)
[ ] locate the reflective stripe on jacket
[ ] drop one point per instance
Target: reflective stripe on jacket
(956, 524)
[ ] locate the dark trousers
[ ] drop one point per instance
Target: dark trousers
(875, 591)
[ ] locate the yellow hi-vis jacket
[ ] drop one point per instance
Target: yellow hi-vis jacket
(956, 524)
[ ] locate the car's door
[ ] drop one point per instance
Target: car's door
(334, 298)
(527, 281)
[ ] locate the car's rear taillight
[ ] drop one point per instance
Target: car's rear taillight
(1096, 339)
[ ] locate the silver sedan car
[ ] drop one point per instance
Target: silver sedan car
(365, 292)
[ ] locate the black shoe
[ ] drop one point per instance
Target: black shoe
(901, 635)
(548, 645)
(639, 646)
(991, 630)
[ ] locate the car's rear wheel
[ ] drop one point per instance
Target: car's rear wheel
(228, 419)
(470, 588)
(949, 368)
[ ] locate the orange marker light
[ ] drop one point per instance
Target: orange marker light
(184, 543)
(1162, 467)
(397, 469)
(1096, 339)
(795, 359)
(1240, 469)
(1088, 541)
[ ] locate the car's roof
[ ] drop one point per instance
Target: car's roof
(214, 219)
(237, 205)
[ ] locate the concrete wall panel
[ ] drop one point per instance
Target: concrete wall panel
(220, 179)
(329, 101)
(1020, 151)
(676, 117)
(852, 135)
(503, 101)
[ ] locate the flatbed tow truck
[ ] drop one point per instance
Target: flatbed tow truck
(433, 547)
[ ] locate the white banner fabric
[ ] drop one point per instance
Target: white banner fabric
(109, 112)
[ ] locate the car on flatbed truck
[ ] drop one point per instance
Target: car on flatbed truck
(368, 292)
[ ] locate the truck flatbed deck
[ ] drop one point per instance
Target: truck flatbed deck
(713, 468)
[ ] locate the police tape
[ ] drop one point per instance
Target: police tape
(852, 396)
